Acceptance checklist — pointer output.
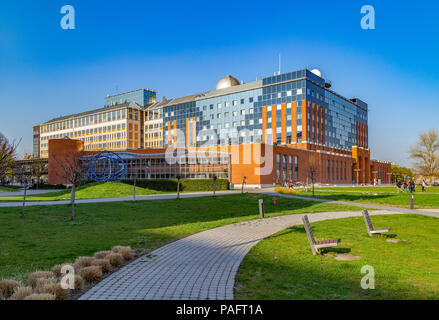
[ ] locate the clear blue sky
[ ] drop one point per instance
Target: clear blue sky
(184, 47)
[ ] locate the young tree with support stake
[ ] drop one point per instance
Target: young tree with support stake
(313, 171)
(7, 156)
(72, 171)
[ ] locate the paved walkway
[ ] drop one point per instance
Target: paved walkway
(201, 266)
(28, 192)
(427, 212)
(119, 199)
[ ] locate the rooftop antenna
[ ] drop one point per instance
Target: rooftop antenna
(279, 64)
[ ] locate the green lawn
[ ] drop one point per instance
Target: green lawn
(422, 200)
(386, 189)
(283, 267)
(88, 191)
(46, 236)
(9, 188)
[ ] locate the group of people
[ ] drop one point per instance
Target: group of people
(410, 186)
(288, 184)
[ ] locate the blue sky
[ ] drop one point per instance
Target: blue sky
(184, 47)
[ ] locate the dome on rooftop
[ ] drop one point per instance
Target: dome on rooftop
(227, 82)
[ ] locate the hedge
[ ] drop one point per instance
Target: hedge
(185, 184)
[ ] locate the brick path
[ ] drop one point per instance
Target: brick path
(201, 266)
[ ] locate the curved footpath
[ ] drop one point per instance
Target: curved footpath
(201, 266)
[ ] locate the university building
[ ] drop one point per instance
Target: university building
(294, 118)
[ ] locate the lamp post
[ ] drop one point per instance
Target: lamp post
(243, 182)
(389, 174)
(358, 174)
(214, 182)
(178, 186)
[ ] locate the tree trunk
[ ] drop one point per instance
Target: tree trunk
(72, 200)
(134, 190)
(24, 202)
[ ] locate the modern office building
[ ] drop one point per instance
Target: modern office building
(296, 116)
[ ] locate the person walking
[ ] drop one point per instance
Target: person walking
(424, 185)
(398, 187)
(411, 186)
(405, 186)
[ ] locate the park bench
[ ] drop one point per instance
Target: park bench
(316, 245)
(369, 226)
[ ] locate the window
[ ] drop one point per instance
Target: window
(250, 100)
(242, 101)
(234, 102)
(296, 168)
(242, 122)
(243, 112)
(278, 167)
(226, 104)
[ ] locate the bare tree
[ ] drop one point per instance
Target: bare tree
(313, 171)
(7, 156)
(426, 154)
(72, 172)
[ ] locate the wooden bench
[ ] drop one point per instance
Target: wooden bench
(316, 245)
(370, 230)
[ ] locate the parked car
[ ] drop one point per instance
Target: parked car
(435, 183)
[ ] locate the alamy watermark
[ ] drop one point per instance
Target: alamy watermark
(68, 20)
(368, 281)
(368, 20)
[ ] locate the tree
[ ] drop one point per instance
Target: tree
(37, 167)
(313, 171)
(399, 172)
(72, 172)
(426, 154)
(7, 156)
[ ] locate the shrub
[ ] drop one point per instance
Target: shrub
(91, 274)
(115, 258)
(285, 190)
(126, 252)
(21, 292)
(103, 263)
(79, 281)
(40, 296)
(7, 288)
(42, 282)
(102, 254)
(185, 184)
(54, 288)
(33, 277)
(57, 269)
(83, 262)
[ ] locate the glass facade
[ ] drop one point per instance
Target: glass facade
(142, 97)
(236, 118)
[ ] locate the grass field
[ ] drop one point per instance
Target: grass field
(88, 191)
(385, 189)
(46, 236)
(283, 267)
(9, 188)
(421, 199)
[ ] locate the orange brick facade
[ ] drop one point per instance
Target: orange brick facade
(263, 165)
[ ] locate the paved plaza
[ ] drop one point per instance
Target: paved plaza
(201, 266)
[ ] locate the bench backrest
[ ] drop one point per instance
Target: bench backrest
(308, 230)
(366, 217)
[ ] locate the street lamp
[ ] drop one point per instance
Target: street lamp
(389, 174)
(358, 173)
